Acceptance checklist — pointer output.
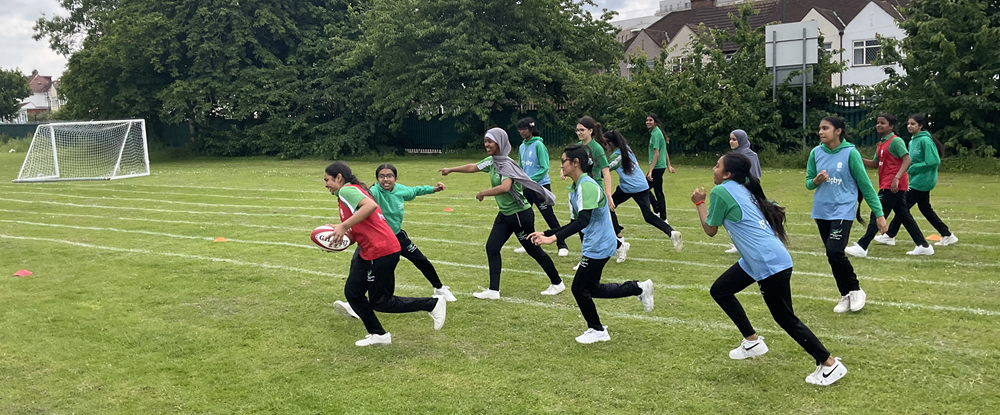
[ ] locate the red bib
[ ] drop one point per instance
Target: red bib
(888, 166)
(372, 234)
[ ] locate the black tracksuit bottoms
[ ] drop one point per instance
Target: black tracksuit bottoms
(777, 295)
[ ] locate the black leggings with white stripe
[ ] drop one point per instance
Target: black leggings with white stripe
(777, 295)
(520, 224)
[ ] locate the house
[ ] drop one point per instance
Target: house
(646, 43)
(851, 25)
(44, 98)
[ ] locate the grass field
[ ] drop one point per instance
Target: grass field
(133, 308)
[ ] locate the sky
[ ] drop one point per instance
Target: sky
(19, 50)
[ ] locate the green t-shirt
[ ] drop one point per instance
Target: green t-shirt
(722, 206)
(657, 142)
(351, 196)
(592, 198)
(508, 206)
(600, 161)
(896, 146)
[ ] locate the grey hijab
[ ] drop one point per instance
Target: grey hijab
(510, 169)
(744, 149)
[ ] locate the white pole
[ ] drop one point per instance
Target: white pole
(120, 151)
(145, 147)
(28, 156)
(55, 156)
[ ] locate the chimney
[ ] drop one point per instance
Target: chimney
(702, 4)
(34, 72)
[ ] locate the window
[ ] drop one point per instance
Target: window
(828, 46)
(865, 52)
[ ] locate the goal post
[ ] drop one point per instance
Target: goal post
(94, 150)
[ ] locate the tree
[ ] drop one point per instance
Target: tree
(13, 89)
(253, 76)
(471, 58)
(951, 70)
(703, 97)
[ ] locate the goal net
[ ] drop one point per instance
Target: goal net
(95, 150)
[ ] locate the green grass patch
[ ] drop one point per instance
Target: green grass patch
(133, 308)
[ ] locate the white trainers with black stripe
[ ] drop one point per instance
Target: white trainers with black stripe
(827, 375)
(749, 349)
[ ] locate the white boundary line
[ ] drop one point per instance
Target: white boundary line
(447, 263)
(328, 218)
(445, 241)
(420, 203)
(664, 320)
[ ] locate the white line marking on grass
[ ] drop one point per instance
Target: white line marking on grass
(189, 212)
(179, 222)
(168, 235)
(664, 320)
(446, 241)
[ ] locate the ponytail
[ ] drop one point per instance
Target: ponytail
(738, 167)
(615, 138)
(341, 168)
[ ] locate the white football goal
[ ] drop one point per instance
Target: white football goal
(95, 150)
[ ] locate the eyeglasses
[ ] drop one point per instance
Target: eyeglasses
(564, 160)
(386, 176)
(580, 130)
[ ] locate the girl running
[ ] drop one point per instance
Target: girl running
(841, 175)
(925, 153)
(659, 162)
(590, 134)
(534, 160)
(373, 268)
(756, 226)
(515, 217)
(891, 160)
(632, 184)
(740, 143)
(592, 217)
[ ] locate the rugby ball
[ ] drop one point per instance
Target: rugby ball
(323, 238)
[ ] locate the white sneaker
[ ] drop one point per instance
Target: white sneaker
(438, 313)
(857, 299)
(844, 305)
(678, 242)
(922, 250)
(577, 266)
(520, 250)
(646, 297)
(555, 289)
(666, 221)
(856, 250)
(732, 250)
(374, 339)
(563, 252)
(594, 336)
(749, 349)
(622, 252)
(343, 308)
(885, 240)
(445, 291)
(947, 240)
(487, 294)
(826, 375)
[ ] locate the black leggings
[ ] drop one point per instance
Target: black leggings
(377, 278)
(520, 224)
(587, 286)
(923, 201)
(835, 234)
(893, 202)
(777, 295)
(547, 213)
(642, 199)
(412, 253)
(656, 199)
